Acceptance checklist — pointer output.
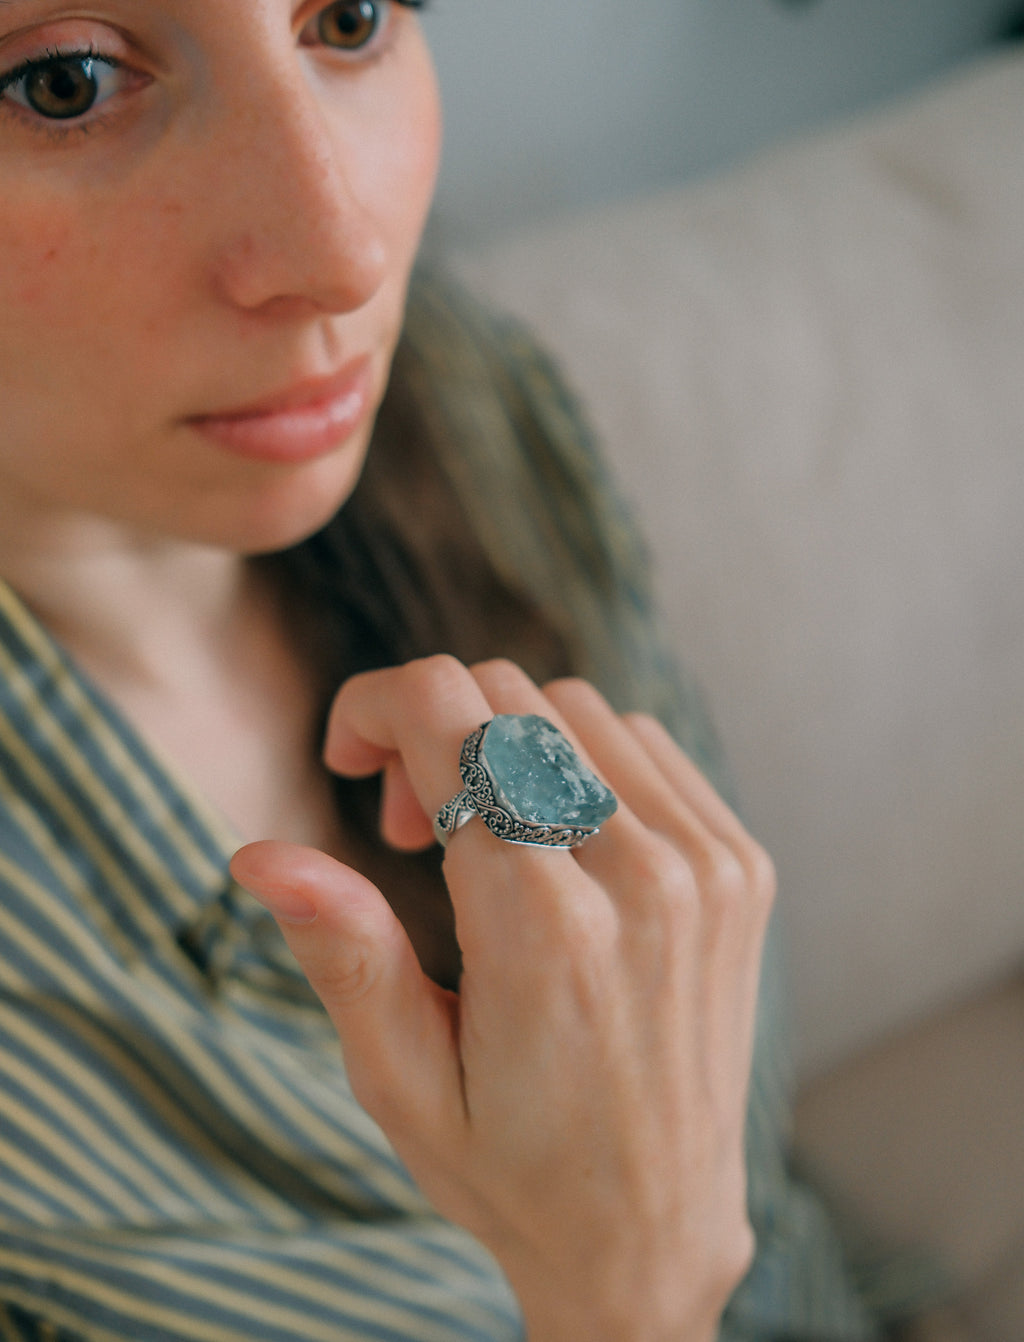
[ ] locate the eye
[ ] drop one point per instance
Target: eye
(61, 88)
(348, 25)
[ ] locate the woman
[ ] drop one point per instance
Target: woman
(208, 226)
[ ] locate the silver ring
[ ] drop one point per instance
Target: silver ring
(526, 783)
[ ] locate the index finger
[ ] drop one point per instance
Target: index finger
(421, 713)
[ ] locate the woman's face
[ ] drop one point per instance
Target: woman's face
(208, 214)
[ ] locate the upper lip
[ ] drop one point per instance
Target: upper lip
(300, 395)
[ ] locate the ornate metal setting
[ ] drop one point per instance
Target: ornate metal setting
(481, 796)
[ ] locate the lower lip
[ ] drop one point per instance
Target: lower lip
(290, 437)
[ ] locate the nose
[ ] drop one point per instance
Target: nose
(293, 229)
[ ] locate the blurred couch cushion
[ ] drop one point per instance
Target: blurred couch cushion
(809, 374)
(922, 1137)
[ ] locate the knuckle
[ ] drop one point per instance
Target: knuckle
(348, 975)
(729, 882)
(441, 671)
(499, 667)
(763, 874)
(734, 1241)
(645, 721)
(666, 873)
(737, 1254)
(501, 675)
(573, 690)
(436, 681)
(666, 878)
(740, 879)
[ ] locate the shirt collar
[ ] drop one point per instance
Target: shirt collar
(135, 839)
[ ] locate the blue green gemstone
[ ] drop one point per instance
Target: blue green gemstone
(539, 777)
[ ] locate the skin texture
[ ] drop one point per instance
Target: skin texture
(242, 215)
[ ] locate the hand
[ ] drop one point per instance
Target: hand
(580, 1105)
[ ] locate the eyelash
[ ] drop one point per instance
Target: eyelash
(54, 129)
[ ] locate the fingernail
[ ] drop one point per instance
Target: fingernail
(287, 906)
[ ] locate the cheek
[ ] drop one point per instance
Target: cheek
(33, 251)
(41, 307)
(77, 334)
(401, 148)
(59, 293)
(428, 136)
(428, 162)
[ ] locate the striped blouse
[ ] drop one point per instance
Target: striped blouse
(180, 1156)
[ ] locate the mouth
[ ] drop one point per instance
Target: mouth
(307, 420)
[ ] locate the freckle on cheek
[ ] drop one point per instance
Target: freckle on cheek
(33, 292)
(34, 256)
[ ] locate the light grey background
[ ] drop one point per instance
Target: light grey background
(552, 105)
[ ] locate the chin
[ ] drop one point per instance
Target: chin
(275, 516)
(284, 528)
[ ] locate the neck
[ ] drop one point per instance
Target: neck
(129, 609)
(195, 648)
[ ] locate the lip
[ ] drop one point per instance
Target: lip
(307, 420)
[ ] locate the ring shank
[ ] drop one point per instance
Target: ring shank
(452, 816)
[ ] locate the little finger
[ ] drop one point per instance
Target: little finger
(691, 784)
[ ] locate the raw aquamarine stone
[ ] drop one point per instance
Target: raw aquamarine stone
(539, 777)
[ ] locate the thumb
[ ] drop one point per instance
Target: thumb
(397, 1028)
